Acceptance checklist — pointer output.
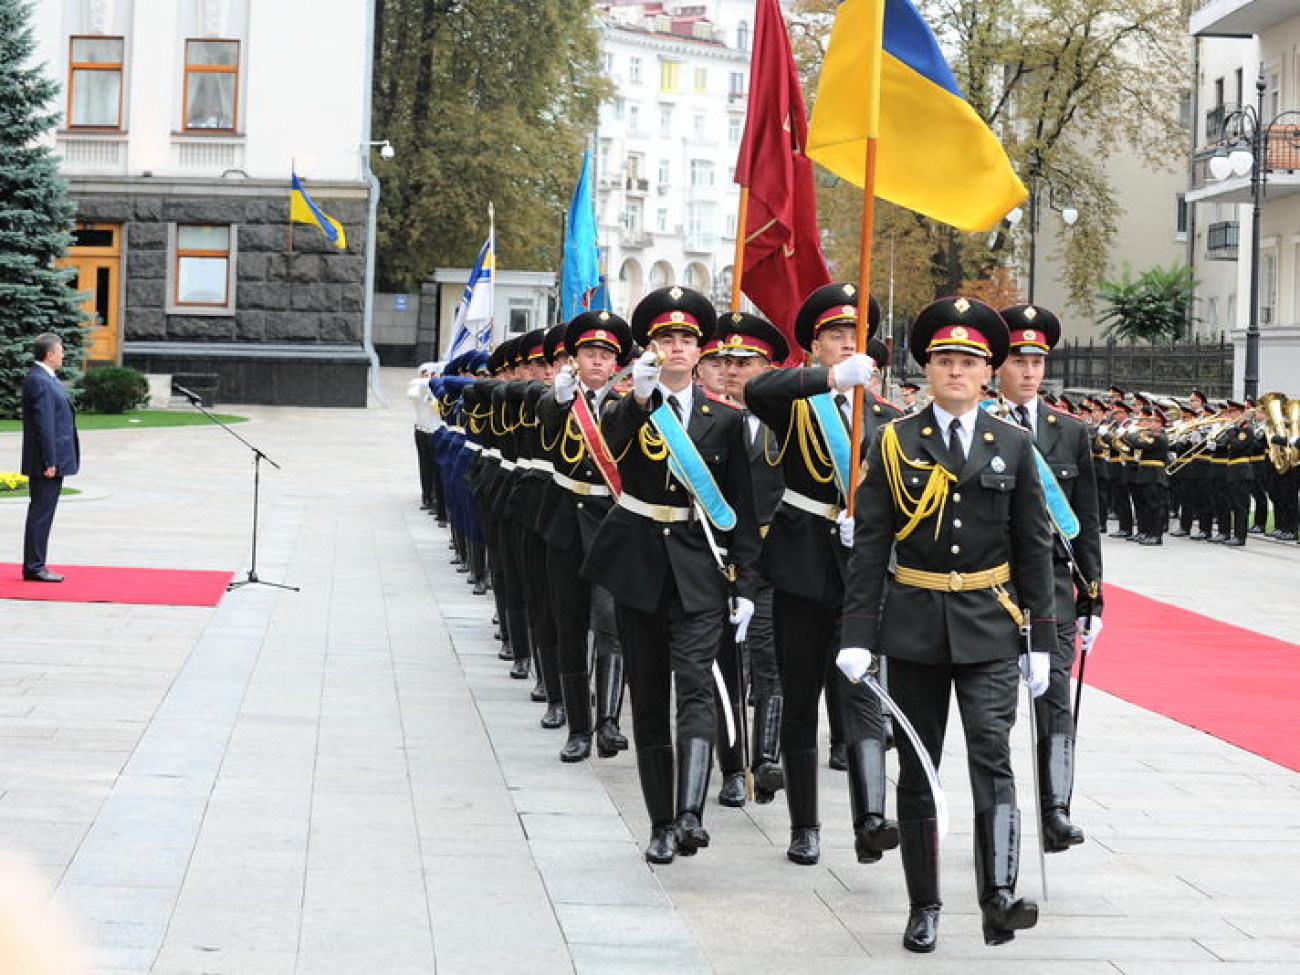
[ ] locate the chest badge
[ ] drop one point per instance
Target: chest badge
(998, 464)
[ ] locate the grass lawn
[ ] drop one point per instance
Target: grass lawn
(22, 492)
(136, 418)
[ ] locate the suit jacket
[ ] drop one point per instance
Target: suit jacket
(49, 428)
(1066, 445)
(635, 557)
(993, 513)
(802, 553)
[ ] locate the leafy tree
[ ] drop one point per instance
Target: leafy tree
(485, 104)
(35, 214)
(1154, 306)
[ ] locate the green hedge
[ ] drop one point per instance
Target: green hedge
(113, 389)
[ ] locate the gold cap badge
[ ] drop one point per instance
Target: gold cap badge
(675, 293)
(962, 306)
(1031, 313)
(959, 333)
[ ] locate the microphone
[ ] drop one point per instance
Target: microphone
(194, 398)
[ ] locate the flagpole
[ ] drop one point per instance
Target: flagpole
(492, 277)
(738, 262)
(875, 56)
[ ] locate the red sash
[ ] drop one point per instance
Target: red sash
(596, 446)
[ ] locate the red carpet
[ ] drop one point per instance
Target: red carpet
(1235, 684)
(98, 584)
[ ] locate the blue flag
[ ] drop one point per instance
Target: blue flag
(472, 328)
(581, 270)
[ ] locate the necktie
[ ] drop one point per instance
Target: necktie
(954, 442)
(748, 427)
(591, 399)
(675, 404)
(1022, 417)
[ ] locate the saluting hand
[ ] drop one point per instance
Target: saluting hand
(856, 370)
(645, 375)
(566, 384)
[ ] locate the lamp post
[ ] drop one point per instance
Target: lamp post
(1248, 135)
(386, 152)
(1069, 215)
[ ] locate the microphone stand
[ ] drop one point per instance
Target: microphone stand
(251, 579)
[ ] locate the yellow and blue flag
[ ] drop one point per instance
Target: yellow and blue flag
(303, 209)
(884, 78)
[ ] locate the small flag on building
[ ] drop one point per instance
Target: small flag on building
(303, 209)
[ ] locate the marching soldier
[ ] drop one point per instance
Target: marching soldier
(908, 392)
(1065, 444)
(805, 557)
(684, 518)
(952, 497)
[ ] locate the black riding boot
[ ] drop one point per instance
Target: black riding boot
(517, 627)
(801, 800)
(655, 768)
(694, 764)
(872, 832)
(919, 847)
(768, 777)
(576, 689)
(731, 758)
(609, 702)
(997, 864)
(1056, 778)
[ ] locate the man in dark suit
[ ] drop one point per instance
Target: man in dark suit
(951, 498)
(681, 495)
(51, 451)
(1065, 444)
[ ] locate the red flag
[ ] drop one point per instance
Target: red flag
(783, 260)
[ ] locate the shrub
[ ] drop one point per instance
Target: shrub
(113, 389)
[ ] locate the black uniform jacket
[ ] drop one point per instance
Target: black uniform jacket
(802, 553)
(575, 517)
(994, 513)
(1151, 454)
(1066, 445)
(634, 557)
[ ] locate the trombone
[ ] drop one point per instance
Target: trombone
(1214, 426)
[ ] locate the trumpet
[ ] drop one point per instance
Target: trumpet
(1281, 419)
(1214, 426)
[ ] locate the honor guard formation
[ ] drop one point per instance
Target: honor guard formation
(664, 505)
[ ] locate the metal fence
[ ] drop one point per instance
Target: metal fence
(1168, 369)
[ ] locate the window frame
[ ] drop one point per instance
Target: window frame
(119, 67)
(175, 305)
(189, 69)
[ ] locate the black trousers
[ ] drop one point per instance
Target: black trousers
(665, 651)
(760, 669)
(1237, 500)
(1122, 503)
(1286, 502)
(424, 458)
(44, 493)
(1052, 709)
(986, 697)
(807, 642)
(531, 565)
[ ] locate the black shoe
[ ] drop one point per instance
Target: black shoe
(41, 575)
(577, 748)
(462, 567)
(520, 670)
(1200, 537)
(538, 694)
(1139, 538)
(873, 837)
(732, 793)
(1235, 542)
(805, 845)
(922, 931)
(1179, 533)
(506, 652)
(997, 864)
(839, 759)
(1120, 534)
(554, 716)
(480, 587)
(609, 740)
(1286, 536)
(1219, 539)
(1153, 540)
(663, 845)
(873, 834)
(768, 781)
(1059, 834)
(1256, 529)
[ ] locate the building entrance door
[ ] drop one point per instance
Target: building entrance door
(96, 253)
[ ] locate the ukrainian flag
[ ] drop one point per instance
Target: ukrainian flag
(934, 154)
(303, 209)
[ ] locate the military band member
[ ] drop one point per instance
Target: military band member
(952, 495)
(1149, 481)
(805, 559)
(597, 343)
(686, 488)
(1121, 498)
(1240, 447)
(1066, 445)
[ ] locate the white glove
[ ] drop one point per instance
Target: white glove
(1036, 669)
(566, 385)
(856, 370)
(742, 611)
(845, 522)
(854, 662)
(645, 375)
(1088, 627)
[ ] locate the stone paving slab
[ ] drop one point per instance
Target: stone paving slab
(345, 780)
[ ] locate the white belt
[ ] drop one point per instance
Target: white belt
(804, 503)
(525, 462)
(471, 445)
(455, 429)
(509, 465)
(537, 464)
(655, 512)
(581, 487)
(493, 452)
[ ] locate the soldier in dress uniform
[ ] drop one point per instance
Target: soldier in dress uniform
(1240, 447)
(908, 393)
(750, 346)
(805, 557)
(1065, 444)
(686, 516)
(710, 371)
(1149, 482)
(585, 477)
(1098, 425)
(1121, 498)
(951, 497)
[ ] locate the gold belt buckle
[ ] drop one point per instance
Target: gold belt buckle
(956, 582)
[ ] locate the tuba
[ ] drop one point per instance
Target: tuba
(1293, 429)
(1281, 418)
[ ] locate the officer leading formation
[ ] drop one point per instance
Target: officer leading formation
(661, 507)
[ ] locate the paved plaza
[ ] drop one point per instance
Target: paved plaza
(344, 779)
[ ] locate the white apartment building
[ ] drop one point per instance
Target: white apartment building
(666, 199)
(181, 122)
(1240, 42)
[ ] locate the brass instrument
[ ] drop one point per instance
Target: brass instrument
(1293, 426)
(1214, 425)
(1273, 406)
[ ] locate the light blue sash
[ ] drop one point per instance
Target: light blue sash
(686, 464)
(831, 422)
(1058, 505)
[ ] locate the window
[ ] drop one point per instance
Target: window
(1182, 216)
(697, 126)
(211, 85)
(1268, 287)
(742, 36)
(701, 174)
(203, 265)
(95, 83)
(668, 72)
(735, 129)
(665, 172)
(632, 211)
(661, 220)
(634, 118)
(665, 121)
(634, 71)
(736, 86)
(701, 79)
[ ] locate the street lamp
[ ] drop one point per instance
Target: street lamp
(386, 152)
(1246, 139)
(1069, 214)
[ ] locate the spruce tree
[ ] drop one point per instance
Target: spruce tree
(35, 213)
